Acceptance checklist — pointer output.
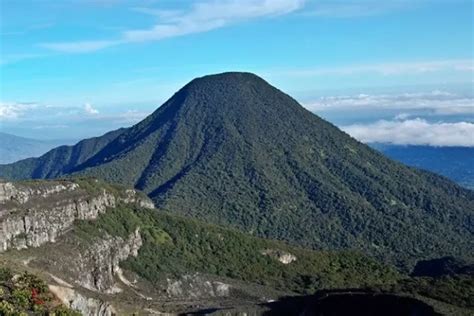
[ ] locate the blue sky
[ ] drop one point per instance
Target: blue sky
(381, 70)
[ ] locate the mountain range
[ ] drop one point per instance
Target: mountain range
(15, 148)
(233, 150)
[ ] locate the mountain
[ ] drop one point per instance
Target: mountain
(456, 163)
(101, 249)
(231, 149)
(14, 148)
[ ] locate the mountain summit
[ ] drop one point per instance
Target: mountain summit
(232, 149)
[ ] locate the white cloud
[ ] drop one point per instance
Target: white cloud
(90, 110)
(14, 110)
(56, 121)
(414, 132)
(8, 111)
(385, 69)
(436, 101)
(127, 117)
(201, 17)
(402, 116)
(29, 111)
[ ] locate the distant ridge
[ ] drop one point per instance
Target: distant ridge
(232, 149)
(14, 148)
(456, 163)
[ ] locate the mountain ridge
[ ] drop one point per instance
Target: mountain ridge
(15, 148)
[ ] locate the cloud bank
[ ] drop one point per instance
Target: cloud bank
(437, 102)
(414, 132)
(44, 115)
(385, 69)
(14, 110)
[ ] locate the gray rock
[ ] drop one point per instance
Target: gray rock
(28, 220)
(86, 306)
(96, 268)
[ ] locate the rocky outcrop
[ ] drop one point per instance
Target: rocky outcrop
(38, 212)
(97, 267)
(196, 286)
(21, 193)
(85, 305)
(132, 196)
(280, 255)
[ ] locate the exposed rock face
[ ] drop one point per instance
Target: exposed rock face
(86, 306)
(28, 220)
(196, 286)
(38, 212)
(22, 193)
(280, 255)
(97, 267)
(131, 197)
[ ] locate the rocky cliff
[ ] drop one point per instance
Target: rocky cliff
(85, 305)
(97, 266)
(28, 219)
(42, 213)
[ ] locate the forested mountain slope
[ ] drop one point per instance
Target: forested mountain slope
(231, 149)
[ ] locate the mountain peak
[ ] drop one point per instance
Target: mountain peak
(238, 85)
(240, 97)
(226, 82)
(231, 76)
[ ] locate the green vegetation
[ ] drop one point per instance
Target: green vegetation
(26, 294)
(175, 246)
(231, 149)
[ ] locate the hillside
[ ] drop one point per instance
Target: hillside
(231, 149)
(121, 256)
(78, 235)
(456, 163)
(26, 294)
(15, 148)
